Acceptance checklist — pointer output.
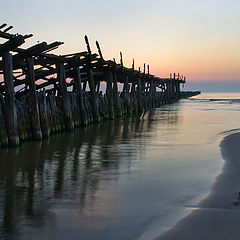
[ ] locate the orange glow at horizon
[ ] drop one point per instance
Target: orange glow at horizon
(198, 39)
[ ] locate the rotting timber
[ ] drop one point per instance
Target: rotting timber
(43, 94)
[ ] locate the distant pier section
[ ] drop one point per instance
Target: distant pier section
(43, 93)
(188, 94)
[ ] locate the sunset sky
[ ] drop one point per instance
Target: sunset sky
(198, 38)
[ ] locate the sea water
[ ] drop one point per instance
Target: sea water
(124, 179)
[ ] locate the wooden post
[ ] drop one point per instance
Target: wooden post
(151, 92)
(44, 118)
(95, 105)
(84, 85)
(168, 94)
(91, 83)
(150, 86)
(133, 100)
(174, 82)
(116, 101)
(98, 85)
(83, 115)
(170, 90)
(126, 96)
(109, 93)
(99, 50)
(11, 111)
(66, 104)
(144, 85)
(33, 101)
(22, 130)
(139, 95)
(178, 89)
(52, 109)
(3, 132)
(121, 59)
(154, 92)
(87, 43)
(126, 85)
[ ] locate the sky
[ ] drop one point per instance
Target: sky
(197, 38)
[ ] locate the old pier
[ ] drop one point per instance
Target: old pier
(43, 93)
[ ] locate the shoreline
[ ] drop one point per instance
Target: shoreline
(216, 216)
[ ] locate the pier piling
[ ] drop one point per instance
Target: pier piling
(43, 93)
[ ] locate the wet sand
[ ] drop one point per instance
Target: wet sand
(217, 217)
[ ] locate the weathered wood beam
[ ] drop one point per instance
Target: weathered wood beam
(7, 29)
(11, 44)
(6, 35)
(3, 25)
(31, 51)
(22, 54)
(79, 54)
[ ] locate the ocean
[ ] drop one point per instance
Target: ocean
(125, 179)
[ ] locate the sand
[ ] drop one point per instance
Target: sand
(218, 216)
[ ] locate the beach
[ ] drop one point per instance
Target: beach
(120, 120)
(218, 216)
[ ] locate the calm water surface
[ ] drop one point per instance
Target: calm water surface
(123, 180)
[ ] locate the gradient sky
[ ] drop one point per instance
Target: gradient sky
(198, 38)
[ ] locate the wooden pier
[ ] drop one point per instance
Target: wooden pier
(43, 93)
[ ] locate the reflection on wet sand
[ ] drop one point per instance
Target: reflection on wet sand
(69, 167)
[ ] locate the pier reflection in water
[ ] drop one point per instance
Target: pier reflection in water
(71, 185)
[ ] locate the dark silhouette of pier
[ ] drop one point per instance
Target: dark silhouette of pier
(43, 93)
